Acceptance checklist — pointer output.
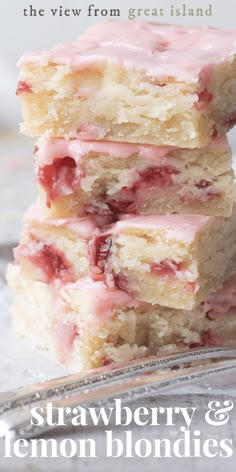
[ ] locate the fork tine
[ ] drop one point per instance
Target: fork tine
(135, 388)
(63, 386)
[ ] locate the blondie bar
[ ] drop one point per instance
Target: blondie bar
(87, 324)
(77, 178)
(137, 81)
(173, 260)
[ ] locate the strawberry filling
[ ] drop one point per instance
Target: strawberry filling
(106, 362)
(208, 338)
(54, 263)
(169, 268)
(155, 177)
(166, 268)
(121, 281)
(50, 262)
(192, 287)
(23, 87)
(205, 96)
(151, 178)
(203, 195)
(62, 177)
(121, 206)
(99, 248)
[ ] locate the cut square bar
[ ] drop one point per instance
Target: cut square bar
(135, 81)
(54, 250)
(77, 178)
(87, 324)
(173, 260)
(170, 260)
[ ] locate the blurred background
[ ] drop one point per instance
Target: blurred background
(20, 33)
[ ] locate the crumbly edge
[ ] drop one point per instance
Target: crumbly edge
(222, 85)
(114, 104)
(133, 252)
(127, 335)
(76, 205)
(202, 264)
(129, 104)
(208, 261)
(216, 251)
(107, 176)
(68, 242)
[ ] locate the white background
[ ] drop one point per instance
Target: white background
(19, 33)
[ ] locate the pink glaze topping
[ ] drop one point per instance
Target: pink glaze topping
(177, 226)
(85, 227)
(102, 299)
(159, 49)
(49, 149)
(65, 334)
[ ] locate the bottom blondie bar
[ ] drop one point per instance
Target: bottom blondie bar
(87, 325)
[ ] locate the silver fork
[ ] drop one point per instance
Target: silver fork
(130, 381)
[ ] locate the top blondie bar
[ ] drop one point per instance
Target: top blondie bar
(138, 81)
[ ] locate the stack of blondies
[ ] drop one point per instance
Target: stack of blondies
(130, 249)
